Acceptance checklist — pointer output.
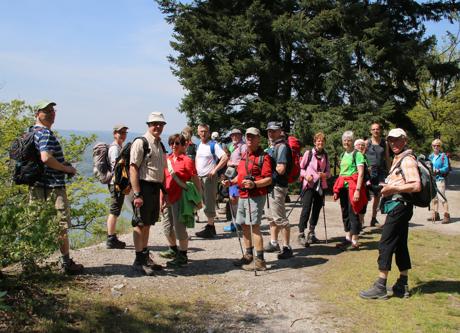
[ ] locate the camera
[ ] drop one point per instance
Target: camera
(249, 177)
(137, 220)
(230, 173)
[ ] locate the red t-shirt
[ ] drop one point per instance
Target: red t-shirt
(255, 171)
(184, 168)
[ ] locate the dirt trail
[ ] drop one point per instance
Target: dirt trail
(282, 299)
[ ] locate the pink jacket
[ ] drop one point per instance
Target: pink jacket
(312, 169)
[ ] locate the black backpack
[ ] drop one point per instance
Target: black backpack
(28, 167)
(121, 170)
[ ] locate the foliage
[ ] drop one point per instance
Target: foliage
(437, 114)
(331, 65)
(27, 233)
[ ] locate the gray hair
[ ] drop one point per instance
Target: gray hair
(347, 135)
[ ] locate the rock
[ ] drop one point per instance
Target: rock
(118, 286)
(116, 293)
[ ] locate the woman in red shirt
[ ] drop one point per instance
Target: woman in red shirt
(180, 170)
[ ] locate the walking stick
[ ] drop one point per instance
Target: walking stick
(324, 215)
(252, 238)
(295, 203)
(236, 227)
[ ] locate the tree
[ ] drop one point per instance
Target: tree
(314, 64)
(437, 113)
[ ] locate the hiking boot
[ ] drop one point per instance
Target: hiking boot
(377, 291)
(374, 222)
(209, 231)
(230, 228)
(269, 247)
(168, 254)
(143, 268)
(446, 218)
(114, 243)
(151, 263)
(302, 241)
(311, 238)
(179, 261)
(434, 217)
(286, 253)
(400, 289)
(244, 260)
(70, 267)
(260, 265)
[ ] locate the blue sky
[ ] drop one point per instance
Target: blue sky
(101, 61)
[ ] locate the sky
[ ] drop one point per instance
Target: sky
(102, 61)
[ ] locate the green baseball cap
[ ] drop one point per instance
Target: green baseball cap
(43, 104)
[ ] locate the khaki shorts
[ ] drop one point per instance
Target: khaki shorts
(171, 224)
(277, 204)
(58, 195)
(209, 185)
(253, 216)
(441, 185)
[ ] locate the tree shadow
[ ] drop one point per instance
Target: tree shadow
(438, 286)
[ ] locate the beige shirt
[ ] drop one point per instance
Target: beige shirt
(151, 168)
(409, 169)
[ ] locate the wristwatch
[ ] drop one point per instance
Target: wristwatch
(137, 194)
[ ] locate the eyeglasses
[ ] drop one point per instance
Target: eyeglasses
(156, 124)
(176, 143)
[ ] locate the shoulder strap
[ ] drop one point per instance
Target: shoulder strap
(354, 157)
(175, 177)
(261, 161)
(310, 155)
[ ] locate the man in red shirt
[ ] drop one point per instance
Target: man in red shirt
(254, 175)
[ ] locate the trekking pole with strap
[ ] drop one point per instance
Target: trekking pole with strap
(324, 215)
(252, 238)
(236, 227)
(302, 193)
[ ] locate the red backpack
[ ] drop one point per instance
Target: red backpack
(294, 172)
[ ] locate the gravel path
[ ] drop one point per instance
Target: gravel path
(282, 299)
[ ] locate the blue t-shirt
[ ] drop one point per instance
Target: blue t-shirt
(46, 141)
(278, 154)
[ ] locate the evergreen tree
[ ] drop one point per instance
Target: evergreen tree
(316, 64)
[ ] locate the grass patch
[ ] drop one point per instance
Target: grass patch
(435, 302)
(51, 302)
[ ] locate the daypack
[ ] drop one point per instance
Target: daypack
(427, 182)
(28, 166)
(121, 181)
(102, 169)
(293, 158)
(449, 169)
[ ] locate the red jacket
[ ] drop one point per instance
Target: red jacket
(352, 182)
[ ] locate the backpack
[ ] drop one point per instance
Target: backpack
(102, 169)
(293, 158)
(121, 170)
(28, 166)
(449, 169)
(427, 182)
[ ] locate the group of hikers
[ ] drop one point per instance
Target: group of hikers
(171, 187)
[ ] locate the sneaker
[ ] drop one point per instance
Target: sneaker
(446, 218)
(70, 267)
(230, 228)
(343, 245)
(302, 241)
(400, 289)
(179, 261)
(377, 291)
(260, 265)
(168, 254)
(434, 217)
(244, 260)
(374, 222)
(269, 247)
(209, 231)
(286, 253)
(311, 238)
(151, 263)
(114, 243)
(143, 268)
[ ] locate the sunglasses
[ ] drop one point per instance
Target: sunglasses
(156, 124)
(435, 145)
(176, 143)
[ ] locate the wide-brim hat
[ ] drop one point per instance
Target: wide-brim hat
(156, 117)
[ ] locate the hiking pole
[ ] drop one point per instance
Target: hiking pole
(324, 216)
(252, 238)
(295, 203)
(236, 227)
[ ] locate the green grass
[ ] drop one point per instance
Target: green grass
(434, 281)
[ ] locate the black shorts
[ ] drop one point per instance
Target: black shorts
(150, 210)
(116, 201)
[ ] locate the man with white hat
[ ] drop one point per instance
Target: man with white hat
(402, 179)
(116, 199)
(146, 173)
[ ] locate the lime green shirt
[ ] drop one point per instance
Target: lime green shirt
(347, 167)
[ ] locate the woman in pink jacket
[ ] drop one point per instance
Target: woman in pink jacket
(314, 171)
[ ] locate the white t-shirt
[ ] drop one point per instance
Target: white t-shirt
(204, 161)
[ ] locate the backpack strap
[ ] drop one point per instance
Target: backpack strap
(174, 176)
(310, 155)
